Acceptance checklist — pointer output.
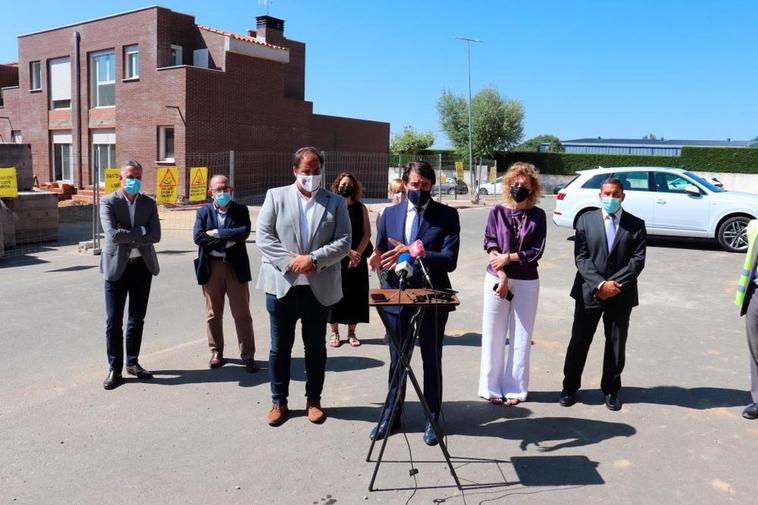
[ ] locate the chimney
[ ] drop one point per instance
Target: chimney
(270, 30)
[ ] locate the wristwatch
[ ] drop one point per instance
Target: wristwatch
(314, 260)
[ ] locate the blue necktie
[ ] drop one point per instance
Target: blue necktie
(415, 226)
(610, 230)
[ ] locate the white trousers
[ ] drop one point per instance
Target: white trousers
(501, 376)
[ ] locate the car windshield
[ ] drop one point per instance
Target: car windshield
(710, 187)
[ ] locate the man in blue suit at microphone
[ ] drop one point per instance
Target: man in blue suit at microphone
(437, 227)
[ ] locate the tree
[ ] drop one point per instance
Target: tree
(533, 144)
(497, 122)
(409, 141)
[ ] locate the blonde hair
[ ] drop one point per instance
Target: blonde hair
(529, 171)
(396, 186)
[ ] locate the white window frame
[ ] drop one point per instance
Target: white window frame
(16, 137)
(178, 59)
(162, 144)
(131, 70)
(63, 139)
(35, 76)
(102, 138)
(94, 76)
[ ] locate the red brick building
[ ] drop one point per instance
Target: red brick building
(154, 86)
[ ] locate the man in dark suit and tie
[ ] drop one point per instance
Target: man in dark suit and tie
(223, 270)
(437, 226)
(609, 250)
(128, 262)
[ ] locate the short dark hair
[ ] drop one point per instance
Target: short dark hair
(300, 154)
(422, 168)
(612, 180)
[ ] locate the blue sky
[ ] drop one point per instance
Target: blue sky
(583, 68)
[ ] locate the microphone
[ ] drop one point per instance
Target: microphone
(404, 268)
(417, 251)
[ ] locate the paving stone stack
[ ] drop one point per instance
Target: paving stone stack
(37, 213)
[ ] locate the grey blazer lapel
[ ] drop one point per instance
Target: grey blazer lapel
(319, 209)
(121, 209)
(620, 231)
(602, 237)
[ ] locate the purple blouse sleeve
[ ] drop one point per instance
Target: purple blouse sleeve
(535, 236)
(490, 231)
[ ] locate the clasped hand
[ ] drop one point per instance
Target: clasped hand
(301, 263)
(498, 261)
(609, 289)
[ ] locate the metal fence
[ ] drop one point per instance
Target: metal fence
(39, 221)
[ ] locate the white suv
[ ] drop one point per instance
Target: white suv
(672, 201)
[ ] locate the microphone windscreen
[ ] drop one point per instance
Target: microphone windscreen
(405, 257)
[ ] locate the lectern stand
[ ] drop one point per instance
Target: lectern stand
(422, 300)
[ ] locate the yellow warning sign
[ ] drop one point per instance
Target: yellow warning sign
(8, 183)
(459, 169)
(198, 184)
(112, 181)
(443, 178)
(493, 174)
(168, 185)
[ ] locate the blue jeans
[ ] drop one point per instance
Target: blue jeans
(298, 303)
(134, 283)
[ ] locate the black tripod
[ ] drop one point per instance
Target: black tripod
(422, 299)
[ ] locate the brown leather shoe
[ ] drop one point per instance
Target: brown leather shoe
(316, 414)
(217, 359)
(277, 415)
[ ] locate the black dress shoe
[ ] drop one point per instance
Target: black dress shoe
(383, 430)
(751, 411)
(612, 402)
(567, 399)
(113, 380)
(429, 437)
(250, 366)
(139, 372)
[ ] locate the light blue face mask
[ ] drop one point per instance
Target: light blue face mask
(132, 186)
(222, 199)
(610, 204)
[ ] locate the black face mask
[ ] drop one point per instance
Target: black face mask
(419, 197)
(519, 193)
(347, 191)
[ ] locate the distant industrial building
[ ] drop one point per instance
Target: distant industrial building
(654, 147)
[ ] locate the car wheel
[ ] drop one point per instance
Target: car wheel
(483, 191)
(451, 191)
(732, 234)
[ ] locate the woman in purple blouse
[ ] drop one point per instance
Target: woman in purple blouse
(514, 240)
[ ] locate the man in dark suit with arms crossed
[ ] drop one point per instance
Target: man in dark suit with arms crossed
(609, 250)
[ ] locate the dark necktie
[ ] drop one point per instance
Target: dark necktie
(415, 226)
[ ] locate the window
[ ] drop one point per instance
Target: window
(200, 58)
(59, 74)
(595, 181)
(131, 62)
(177, 56)
(103, 153)
(35, 75)
(166, 143)
(670, 183)
(634, 181)
(103, 79)
(62, 157)
(16, 137)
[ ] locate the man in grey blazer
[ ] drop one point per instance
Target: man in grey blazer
(303, 232)
(128, 262)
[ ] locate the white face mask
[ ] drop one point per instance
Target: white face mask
(310, 183)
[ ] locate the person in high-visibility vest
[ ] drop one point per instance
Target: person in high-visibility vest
(747, 300)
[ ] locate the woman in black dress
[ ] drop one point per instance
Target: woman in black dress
(353, 308)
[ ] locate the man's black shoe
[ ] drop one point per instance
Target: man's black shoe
(429, 437)
(751, 411)
(612, 402)
(567, 399)
(139, 372)
(381, 431)
(250, 366)
(113, 380)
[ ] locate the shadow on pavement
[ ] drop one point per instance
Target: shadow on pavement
(700, 398)
(233, 371)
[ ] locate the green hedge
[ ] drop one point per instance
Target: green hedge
(703, 159)
(721, 159)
